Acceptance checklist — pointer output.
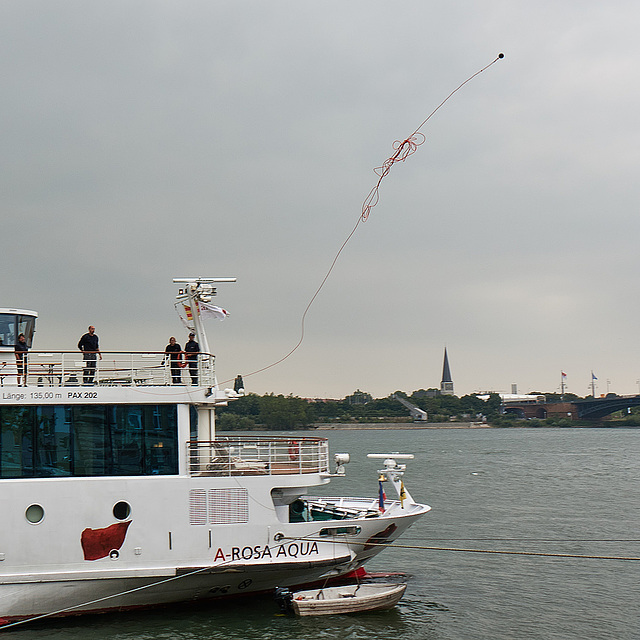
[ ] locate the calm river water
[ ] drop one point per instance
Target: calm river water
(573, 491)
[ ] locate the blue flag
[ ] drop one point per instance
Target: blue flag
(381, 496)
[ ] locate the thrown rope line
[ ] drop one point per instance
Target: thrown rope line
(403, 150)
(307, 308)
(409, 146)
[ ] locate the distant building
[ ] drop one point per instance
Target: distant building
(516, 398)
(426, 393)
(446, 386)
(359, 397)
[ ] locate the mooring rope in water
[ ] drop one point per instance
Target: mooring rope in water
(545, 540)
(489, 551)
(97, 600)
(219, 565)
(512, 553)
(348, 542)
(403, 150)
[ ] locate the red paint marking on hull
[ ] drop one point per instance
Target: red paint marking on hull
(98, 543)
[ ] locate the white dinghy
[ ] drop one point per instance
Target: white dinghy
(351, 598)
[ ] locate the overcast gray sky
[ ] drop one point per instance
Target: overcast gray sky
(144, 140)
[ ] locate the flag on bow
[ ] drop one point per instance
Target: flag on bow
(381, 496)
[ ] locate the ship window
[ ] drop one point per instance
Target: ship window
(26, 325)
(16, 442)
(88, 440)
(12, 325)
(340, 531)
(53, 441)
(193, 422)
(34, 513)
(7, 329)
(121, 510)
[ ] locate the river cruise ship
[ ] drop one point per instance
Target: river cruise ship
(117, 493)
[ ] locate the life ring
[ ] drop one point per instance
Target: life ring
(294, 450)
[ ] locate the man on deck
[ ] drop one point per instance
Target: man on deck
(192, 349)
(88, 344)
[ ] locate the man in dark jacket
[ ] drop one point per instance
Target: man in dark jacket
(88, 344)
(192, 348)
(173, 353)
(21, 358)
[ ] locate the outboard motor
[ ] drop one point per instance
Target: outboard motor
(283, 598)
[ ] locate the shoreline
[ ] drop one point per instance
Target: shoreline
(400, 425)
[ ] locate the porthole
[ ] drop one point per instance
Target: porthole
(121, 510)
(34, 513)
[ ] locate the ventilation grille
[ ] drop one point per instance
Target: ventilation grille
(218, 506)
(198, 506)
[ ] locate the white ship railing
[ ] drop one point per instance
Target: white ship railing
(248, 455)
(117, 368)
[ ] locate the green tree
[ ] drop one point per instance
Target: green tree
(234, 422)
(280, 412)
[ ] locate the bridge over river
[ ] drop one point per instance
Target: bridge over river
(587, 409)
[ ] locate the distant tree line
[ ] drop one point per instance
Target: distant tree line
(279, 412)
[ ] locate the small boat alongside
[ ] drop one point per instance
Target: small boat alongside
(352, 598)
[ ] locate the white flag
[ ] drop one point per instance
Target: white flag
(211, 311)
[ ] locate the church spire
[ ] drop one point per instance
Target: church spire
(446, 386)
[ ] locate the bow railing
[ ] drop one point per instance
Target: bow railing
(258, 455)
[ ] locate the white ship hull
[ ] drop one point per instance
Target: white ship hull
(164, 558)
(119, 495)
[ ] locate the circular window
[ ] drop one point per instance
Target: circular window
(122, 510)
(34, 513)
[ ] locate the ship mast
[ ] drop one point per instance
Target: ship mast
(199, 290)
(196, 291)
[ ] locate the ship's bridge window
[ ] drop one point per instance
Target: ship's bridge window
(88, 440)
(7, 330)
(12, 325)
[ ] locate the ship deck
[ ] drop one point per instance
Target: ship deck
(115, 368)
